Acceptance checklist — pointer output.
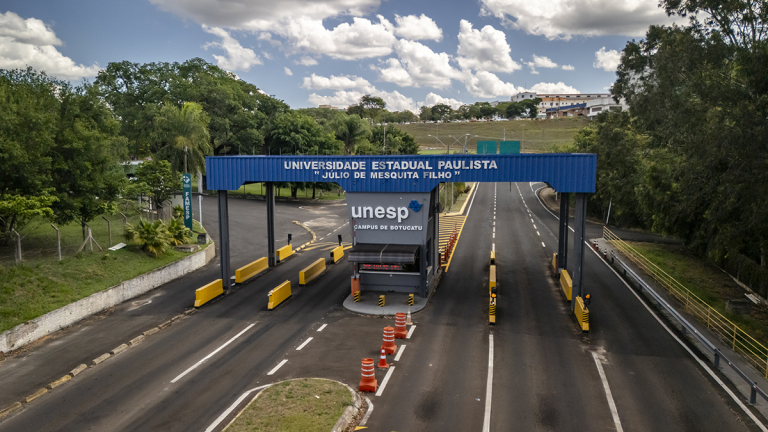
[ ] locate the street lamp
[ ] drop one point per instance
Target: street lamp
(464, 151)
(447, 148)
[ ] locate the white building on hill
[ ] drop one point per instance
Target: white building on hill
(589, 104)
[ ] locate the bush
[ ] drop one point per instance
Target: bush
(178, 211)
(152, 237)
(179, 233)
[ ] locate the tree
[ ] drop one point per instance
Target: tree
(425, 113)
(441, 111)
(86, 156)
(372, 106)
(181, 136)
(350, 130)
(397, 141)
(29, 110)
(156, 179)
(514, 110)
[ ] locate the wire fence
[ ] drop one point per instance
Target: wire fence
(739, 340)
(40, 240)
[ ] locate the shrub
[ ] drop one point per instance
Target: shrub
(152, 237)
(179, 233)
(178, 211)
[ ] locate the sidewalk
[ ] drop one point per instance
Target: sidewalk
(725, 370)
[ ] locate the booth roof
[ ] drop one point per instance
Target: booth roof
(383, 253)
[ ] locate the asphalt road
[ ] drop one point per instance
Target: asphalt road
(545, 377)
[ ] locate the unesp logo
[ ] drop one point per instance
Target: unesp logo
(415, 205)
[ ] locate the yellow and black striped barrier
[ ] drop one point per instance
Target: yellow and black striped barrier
(356, 296)
(381, 300)
(493, 257)
(492, 279)
(492, 309)
(582, 313)
(411, 300)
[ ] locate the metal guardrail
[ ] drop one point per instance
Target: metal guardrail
(739, 340)
(687, 328)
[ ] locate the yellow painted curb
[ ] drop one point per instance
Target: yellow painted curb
(10, 409)
(35, 395)
(58, 382)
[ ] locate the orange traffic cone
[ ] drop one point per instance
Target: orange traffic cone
(383, 360)
(389, 340)
(400, 330)
(368, 381)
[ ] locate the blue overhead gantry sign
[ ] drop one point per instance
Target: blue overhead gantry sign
(564, 172)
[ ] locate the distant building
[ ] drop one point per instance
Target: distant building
(329, 107)
(556, 105)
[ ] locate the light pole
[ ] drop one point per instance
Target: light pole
(447, 148)
(464, 148)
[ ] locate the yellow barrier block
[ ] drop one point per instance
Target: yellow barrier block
(337, 253)
(279, 294)
(311, 271)
(248, 271)
(492, 279)
(284, 252)
(208, 292)
(554, 262)
(566, 284)
(582, 314)
(493, 257)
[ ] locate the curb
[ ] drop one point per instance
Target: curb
(98, 360)
(350, 414)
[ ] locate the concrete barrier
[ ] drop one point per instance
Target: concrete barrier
(250, 270)
(566, 284)
(284, 252)
(208, 292)
(493, 257)
(492, 279)
(311, 271)
(279, 295)
(337, 253)
(56, 320)
(582, 314)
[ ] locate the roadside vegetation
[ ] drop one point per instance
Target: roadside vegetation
(689, 158)
(300, 405)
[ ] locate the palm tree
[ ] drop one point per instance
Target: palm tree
(182, 138)
(351, 130)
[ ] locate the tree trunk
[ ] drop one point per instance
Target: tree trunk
(313, 191)
(82, 225)
(294, 192)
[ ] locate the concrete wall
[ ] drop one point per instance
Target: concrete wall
(55, 320)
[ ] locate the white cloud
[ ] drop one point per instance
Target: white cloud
(360, 39)
(568, 67)
(395, 100)
(485, 84)
(342, 82)
(417, 28)
(434, 99)
(607, 60)
(237, 58)
(562, 19)
(418, 66)
(540, 62)
(30, 42)
(307, 61)
(485, 49)
(559, 87)
(288, 71)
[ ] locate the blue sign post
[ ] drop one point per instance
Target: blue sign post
(186, 183)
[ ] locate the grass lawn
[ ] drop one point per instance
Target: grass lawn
(706, 281)
(300, 405)
(535, 135)
(39, 286)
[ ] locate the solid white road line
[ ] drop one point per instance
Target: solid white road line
(232, 407)
(400, 352)
(385, 381)
(211, 354)
(304, 344)
(489, 387)
(410, 332)
(279, 365)
(322, 327)
(608, 395)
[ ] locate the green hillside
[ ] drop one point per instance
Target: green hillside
(536, 136)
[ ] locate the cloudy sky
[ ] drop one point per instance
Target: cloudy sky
(309, 52)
